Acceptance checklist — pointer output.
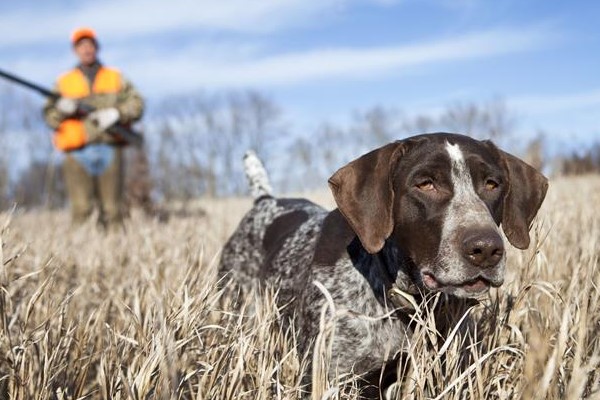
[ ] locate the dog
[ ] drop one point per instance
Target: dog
(416, 216)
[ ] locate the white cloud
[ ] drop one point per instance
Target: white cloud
(226, 64)
(115, 19)
(536, 104)
(224, 60)
(197, 68)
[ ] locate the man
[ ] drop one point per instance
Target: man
(93, 166)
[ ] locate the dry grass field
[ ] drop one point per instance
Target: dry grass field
(87, 315)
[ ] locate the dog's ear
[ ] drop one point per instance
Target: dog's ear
(526, 191)
(364, 194)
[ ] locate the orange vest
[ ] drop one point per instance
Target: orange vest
(70, 134)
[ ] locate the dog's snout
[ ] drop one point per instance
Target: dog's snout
(484, 249)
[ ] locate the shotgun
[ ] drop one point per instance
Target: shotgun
(121, 131)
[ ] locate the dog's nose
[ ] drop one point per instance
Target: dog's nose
(483, 249)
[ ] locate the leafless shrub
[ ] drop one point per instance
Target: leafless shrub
(584, 161)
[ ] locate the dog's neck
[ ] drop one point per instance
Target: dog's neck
(388, 269)
(390, 275)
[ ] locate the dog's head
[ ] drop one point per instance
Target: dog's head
(441, 198)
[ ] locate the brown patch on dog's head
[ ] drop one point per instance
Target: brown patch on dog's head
(526, 192)
(363, 192)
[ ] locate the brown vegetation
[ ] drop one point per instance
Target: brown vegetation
(105, 316)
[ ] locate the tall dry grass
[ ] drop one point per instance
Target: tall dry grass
(85, 315)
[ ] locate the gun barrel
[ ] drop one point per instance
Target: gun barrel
(40, 89)
(127, 134)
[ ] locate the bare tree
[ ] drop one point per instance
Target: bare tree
(33, 188)
(375, 126)
(583, 162)
(312, 160)
(138, 180)
(534, 152)
(492, 120)
(462, 117)
(299, 168)
(202, 139)
(4, 173)
(26, 162)
(263, 121)
(500, 122)
(4, 186)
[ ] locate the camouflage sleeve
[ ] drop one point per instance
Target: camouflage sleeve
(51, 115)
(129, 103)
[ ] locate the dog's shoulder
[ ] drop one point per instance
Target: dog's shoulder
(335, 236)
(289, 236)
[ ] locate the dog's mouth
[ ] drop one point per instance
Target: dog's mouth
(475, 286)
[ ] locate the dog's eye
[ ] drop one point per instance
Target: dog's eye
(491, 184)
(426, 184)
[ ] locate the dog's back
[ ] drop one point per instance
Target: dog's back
(273, 243)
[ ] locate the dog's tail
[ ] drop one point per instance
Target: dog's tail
(256, 173)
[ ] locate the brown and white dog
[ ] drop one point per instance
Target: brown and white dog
(418, 215)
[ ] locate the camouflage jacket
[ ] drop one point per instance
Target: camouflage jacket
(127, 100)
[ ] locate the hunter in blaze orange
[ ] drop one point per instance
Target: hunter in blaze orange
(93, 166)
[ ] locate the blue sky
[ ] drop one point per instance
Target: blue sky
(320, 60)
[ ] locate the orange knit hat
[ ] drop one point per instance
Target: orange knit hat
(83, 33)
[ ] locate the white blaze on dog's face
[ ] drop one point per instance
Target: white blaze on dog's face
(471, 253)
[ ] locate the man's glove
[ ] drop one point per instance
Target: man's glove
(104, 118)
(66, 106)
